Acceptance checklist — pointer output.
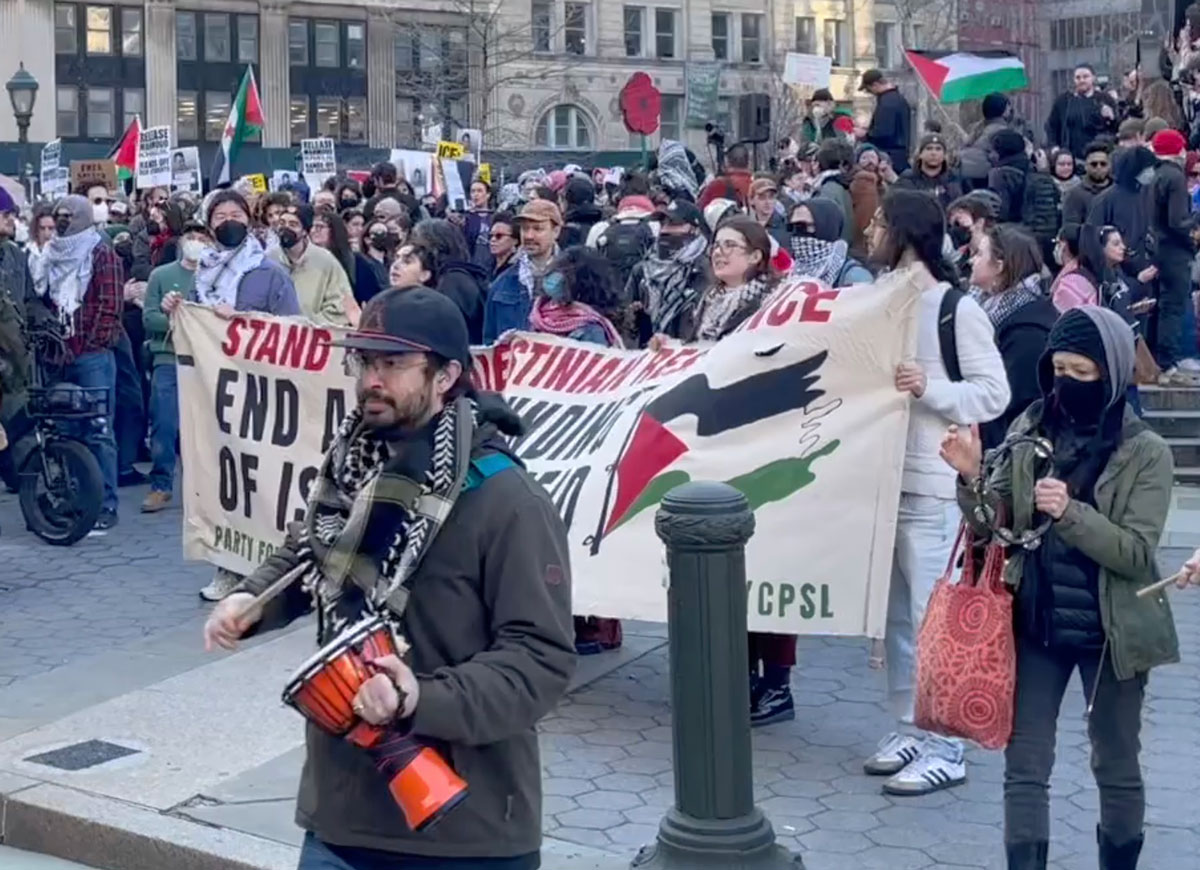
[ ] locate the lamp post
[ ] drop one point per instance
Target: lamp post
(22, 93)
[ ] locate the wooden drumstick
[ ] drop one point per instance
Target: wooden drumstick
(1159, 586)
(276, 588)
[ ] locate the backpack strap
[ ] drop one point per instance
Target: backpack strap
(486, 466)
(947, 337)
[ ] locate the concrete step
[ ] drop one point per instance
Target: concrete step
(1187, 475)
(1186, 452)
(18, 859)
(1174, 423)
(1156, 398)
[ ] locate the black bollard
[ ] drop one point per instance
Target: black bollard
(714, 822)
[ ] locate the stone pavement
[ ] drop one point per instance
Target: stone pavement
(606, 750)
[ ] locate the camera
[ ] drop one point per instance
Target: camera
(715, 134)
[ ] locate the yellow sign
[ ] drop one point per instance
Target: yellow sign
(258, 182)
(451, 150)
(484, 173)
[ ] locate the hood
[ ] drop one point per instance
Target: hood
(81, 213)
(497, 422)
(1016, 161)
(587, 213)
(477, 273)
(675, 170)
(828, 220)
(1129, 163)
(1117, 339)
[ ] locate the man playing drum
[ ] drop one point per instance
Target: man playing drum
(422, 516)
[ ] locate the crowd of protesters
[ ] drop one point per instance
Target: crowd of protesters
(1066, 264)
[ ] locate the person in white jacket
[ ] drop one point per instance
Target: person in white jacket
(909, 237)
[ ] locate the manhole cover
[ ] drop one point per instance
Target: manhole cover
(80, 756)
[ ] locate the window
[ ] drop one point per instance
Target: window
(635, 25)
(325, 44)
(66, 37)
(131, 31)
(720, 35)
(918, 35)
(216, 114)
(752, 38)
(575, 28)
(835, 41)
(133, 105)
(187, 127)
(541, 23)
(457, 39)
(356, 46)
(247, 26)
(185, 36)
(67, 121)
(101, 123)
(670, 123)
(329, 117)
(429, 49)
(886, 54)
(298, 110)
(99, 32)
(664, 33)
(216, 38)
(356, 120)
(406, 130)
(806, 35)
(298, 43)
(404, 50)
(563, 127)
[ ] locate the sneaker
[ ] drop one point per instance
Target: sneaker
(933, 770)
(155, 501)
(774, 705)
(132, 477)
(894, 753)
(106, 520)
(222, 585)
(1190, 366)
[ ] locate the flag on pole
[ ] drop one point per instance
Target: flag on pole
(955, 76)
(245, 119)
(125, 152)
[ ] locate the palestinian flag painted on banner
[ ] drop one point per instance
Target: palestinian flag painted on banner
(125, 152)
(642, 475)
(955, 76)
(245, 119)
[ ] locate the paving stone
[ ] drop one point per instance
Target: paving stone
(844, 820)
(565, 786)
(829, 840)
(608, 800)
(595, 820)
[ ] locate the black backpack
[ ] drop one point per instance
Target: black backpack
(1040, 206)
(626, 243)
(947, 338)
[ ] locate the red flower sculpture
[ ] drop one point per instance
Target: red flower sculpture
(641, 104)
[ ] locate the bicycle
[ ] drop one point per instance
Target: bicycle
(60, 488)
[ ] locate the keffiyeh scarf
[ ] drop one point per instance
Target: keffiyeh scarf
(361, 536)
(675, 171)
(220, 272)
(669, 285)
(64, 272)
(817, 258)
(720, 305)
(530, 273)
(556, 319)
(999, 306)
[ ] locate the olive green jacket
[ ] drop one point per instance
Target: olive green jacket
(1120, 534)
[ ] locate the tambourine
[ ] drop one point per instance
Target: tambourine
(983, 512)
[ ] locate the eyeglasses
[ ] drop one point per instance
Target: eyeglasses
(360, 362)
(728, 246)
(495, 237)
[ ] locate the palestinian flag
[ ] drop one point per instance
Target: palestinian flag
(641, 476)
(245, 120)
(125, 152)
(955, 76)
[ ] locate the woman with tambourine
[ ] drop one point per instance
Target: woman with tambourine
(1104, 504)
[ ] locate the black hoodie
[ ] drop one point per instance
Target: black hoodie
(1171, 216)
(945, 186)
(1127, 205)
(466, 284)
(579, 221)
(1008, 181)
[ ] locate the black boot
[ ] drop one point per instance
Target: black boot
(1027, 856)
(1122, 857)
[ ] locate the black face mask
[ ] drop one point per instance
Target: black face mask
(288, 239)
(349, 202)
(124, 250)
(800, 229)
(960, 236)
(1081, 401)
(230, 234)
(62, 224)
(670, 245)
(152, 228)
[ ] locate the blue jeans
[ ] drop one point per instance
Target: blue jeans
(315, 855)
(94, 370)
(164, 426)
(129, 414)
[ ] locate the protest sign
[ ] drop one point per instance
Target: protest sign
(472, 141)
(154, 157)
(93, 173)
(797, 409)
(317, 161)
(703, 89)
(807, 70)
(415, 167)
(281, 179)
(185, 168)
(484, 173)
(258, 182)
(53, 176)
(450, 150)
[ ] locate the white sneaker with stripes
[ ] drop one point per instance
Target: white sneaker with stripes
(894, 753)
(939, 765)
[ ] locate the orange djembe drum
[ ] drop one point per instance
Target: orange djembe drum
(423, 785)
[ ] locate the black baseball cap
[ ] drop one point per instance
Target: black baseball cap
(681, 212)
(870, 77)
(411, 320)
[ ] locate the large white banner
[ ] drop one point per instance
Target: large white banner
(797, 409)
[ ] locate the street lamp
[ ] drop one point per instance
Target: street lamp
(22, 93)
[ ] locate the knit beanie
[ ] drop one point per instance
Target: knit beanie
(930, 139)
(994, 106)
(1008, 143)
(1074, 332)
(1168, 143)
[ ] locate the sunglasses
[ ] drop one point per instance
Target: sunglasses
(1097, 163)
(495, 237)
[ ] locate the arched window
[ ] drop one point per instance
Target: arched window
(564, 127)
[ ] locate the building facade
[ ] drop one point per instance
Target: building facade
(542, 74)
